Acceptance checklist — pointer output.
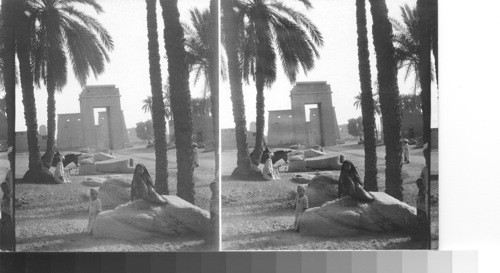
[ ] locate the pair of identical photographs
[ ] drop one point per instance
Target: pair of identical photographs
(209, 125)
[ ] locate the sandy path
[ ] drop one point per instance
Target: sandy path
(54, 217)
(259, 215)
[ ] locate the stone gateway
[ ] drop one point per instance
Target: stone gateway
(77, 130)
(292, 126)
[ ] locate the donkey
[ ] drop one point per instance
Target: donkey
(68, 158)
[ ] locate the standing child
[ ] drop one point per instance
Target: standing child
(94, 209)
(301, 204)
(195, 155)
(406, 151)
(59, 175)
(268, 171)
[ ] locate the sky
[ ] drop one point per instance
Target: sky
(129, 66)
(338, 63)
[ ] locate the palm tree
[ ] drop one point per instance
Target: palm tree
(388, 94)
(418, 25)
(376, 103)
(202, 56)
(147, 104)
(23, 34)
(367, 102)
(213, 61)
(407, 46)
(198, 36)
(7, 64)
(272, 29)
(424, 8)
(64, 32)
(180, 98)
(157, 106)
(245, 170)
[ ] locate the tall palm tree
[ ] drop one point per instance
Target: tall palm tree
(7, 64)
(367, 102)
(388, 93)
(376, 103)
(407, 44)
(180, 98)
(147, 104)
(231, 40)
(23, 34)
(272, 29)
(198, 36)
(203, 59)
(424, 8)
(62, 32)
(157, 105)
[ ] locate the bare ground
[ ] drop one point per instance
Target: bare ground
(259, 215)
(54, 217)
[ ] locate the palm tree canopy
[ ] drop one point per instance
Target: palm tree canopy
(147, 103)
(62, 31)
(270, 28)
(198, 37)
(406, 43)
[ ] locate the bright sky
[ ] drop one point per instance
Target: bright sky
(129, 65)
(338, 64)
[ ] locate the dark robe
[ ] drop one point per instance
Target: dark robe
(350, 184)
(143, 187)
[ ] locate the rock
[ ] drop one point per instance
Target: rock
(102, 156)
(87, 169)
(321, 189)
(297, 157)
(303, 178)
(297, 166)
(86, 159)
(325, 162)
(348, 217)
(312, 153)
(114, 166)
(114, 192)
(141, 219)
(93, 182)
(292, 153)
(317, 148)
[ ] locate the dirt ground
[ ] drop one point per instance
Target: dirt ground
(54, 217)
(259, 215)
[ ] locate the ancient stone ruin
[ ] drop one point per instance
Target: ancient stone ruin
(77, 130)
(292, 127)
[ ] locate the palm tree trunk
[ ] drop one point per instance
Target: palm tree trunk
(260, 120)
(51, 124)
(367, 107)
(424, 9)
(158, 106)
(9, 71)
(22, 34)
(8, 59)
(244, 169)
(180, 97)
(213, 80)
(389, 93)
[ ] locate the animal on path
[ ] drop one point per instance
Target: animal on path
(277, 155)
(68, 158)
